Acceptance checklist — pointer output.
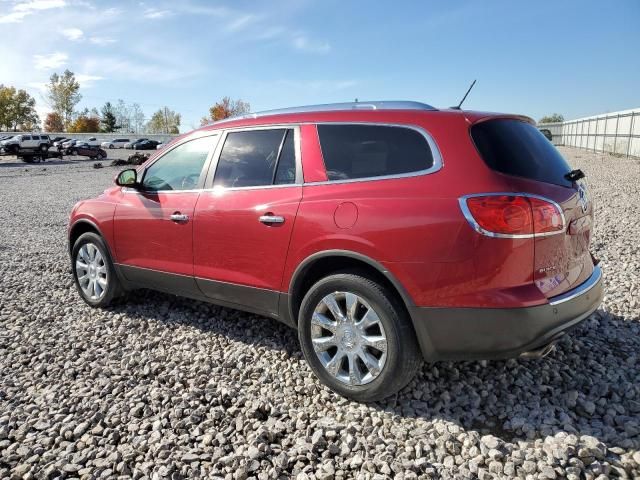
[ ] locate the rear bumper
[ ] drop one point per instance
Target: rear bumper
(493, 333)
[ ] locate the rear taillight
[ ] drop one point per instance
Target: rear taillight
(512, 215)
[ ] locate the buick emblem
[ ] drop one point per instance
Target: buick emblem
(582, 197)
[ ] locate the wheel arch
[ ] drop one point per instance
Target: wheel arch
(324, 263)
(82, 226)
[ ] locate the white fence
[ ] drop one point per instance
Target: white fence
(617, 132)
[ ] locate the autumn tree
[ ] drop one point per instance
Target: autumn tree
(63, 94)
(226, 108)
(53, 123)
(109, 121)
(17, 109)
(86, 122)
(164, 120)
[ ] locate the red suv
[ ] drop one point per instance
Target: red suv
(385, 232)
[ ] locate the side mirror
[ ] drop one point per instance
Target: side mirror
(127, 178)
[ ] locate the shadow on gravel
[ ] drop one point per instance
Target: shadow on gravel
(590, 385)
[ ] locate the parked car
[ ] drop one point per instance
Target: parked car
(386, 233)
(86, 150)
(26, 141)
(117, 143)
(67, 144)
(92, 141)
(131, 145)
(56, 139)
(58, 143)
(145, 145)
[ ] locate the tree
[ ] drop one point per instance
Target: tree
(17, 109)
(53, 123)
(123, 117)
(85, 124)
(553, 118)
(109, 121)
(63, 95)
(226, 108)
(164, 120)
(137, 118)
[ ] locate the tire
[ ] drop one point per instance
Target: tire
(91, 295)
(110, 147)
(74, 152)
(44, 148)
(398, 365)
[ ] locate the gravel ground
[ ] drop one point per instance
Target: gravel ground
(166, 387)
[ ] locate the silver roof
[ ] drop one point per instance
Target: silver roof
(334, 107)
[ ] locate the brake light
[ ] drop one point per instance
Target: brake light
(517, 215)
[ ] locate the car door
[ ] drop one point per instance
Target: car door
(153, 224)
(243, 223)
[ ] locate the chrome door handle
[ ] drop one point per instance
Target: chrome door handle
(269, 219)
(179, 217)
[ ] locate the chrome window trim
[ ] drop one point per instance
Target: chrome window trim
(195, 136)
(438, 162)
(462, 201)
(208, 185)
(581, 289)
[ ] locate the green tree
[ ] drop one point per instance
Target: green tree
(226, 108)
(17, 109)
(164, 120)
(553, 118)
(63, 94)
(109, 122)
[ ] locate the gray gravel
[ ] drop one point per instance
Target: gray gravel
(165, 387)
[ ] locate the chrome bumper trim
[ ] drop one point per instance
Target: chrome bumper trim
(583, 288)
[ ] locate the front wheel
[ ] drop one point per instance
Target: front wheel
(357, 337)
(93, 271)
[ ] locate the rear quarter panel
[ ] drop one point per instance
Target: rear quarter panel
(415, 228)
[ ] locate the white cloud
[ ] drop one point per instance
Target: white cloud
(101, 40)
(155, 14)
(241, 22)
(51, 61)
(303, 43)
(21, 10)
(87, 81)
(73, 34)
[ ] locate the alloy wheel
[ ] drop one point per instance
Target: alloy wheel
(91, 271)
(348, 338)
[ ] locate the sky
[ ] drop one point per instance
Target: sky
(574, 57)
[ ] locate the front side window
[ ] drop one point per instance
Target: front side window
(256, 158)
(366, 151)
(180, 168)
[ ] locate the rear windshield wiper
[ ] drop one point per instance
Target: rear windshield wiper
(574, 175)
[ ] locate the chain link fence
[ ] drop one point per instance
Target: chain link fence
(616, 132)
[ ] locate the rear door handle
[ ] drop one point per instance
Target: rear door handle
(270, 219)
(179, 217)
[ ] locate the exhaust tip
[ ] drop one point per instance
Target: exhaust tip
(542, 351)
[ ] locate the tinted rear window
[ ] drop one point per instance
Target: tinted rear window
(518, 148)
(364, 151)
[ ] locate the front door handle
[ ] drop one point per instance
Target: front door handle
(179, 217)
(270, 219)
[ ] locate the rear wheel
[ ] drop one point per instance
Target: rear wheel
(357, 337)
(111, 147)
(93, 271)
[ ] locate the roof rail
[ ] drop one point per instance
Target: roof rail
(333, 107)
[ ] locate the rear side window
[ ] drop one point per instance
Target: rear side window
(514, 147)
(257, 158)
(365, 151)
